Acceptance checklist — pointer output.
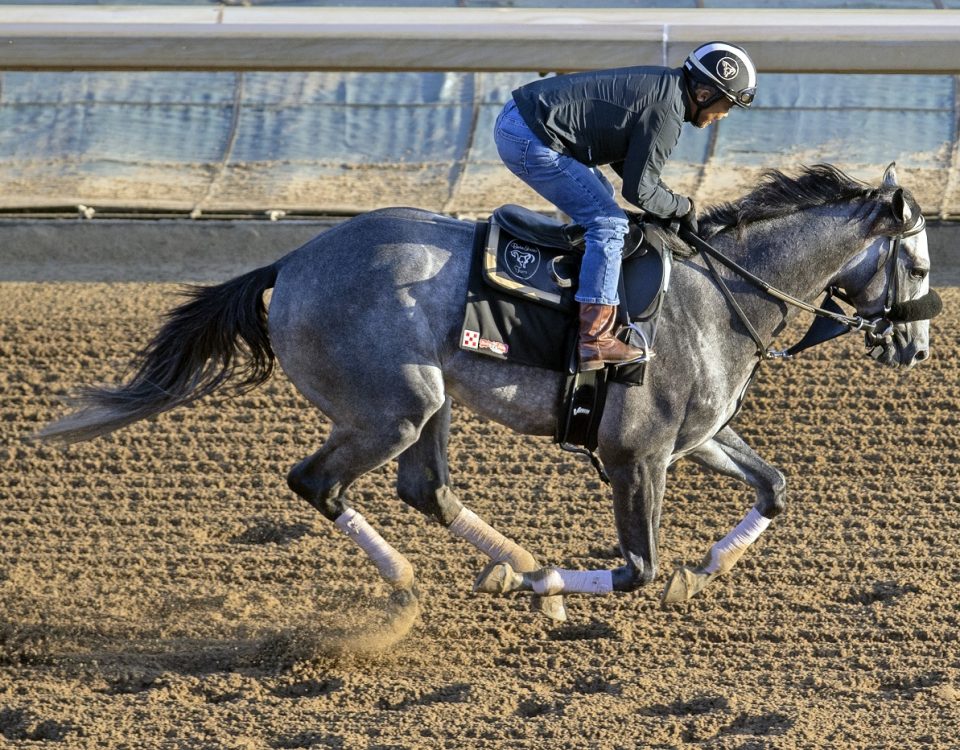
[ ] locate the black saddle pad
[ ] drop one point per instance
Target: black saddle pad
(505, 321)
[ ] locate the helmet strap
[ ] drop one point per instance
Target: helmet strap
(698, 107)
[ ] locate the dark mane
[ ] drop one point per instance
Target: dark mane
(779, 195)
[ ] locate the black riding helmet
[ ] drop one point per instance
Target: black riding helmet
(724, 67)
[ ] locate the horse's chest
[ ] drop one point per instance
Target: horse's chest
(702, 400)
(713, 406)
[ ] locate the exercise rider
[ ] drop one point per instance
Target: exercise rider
(555, 132)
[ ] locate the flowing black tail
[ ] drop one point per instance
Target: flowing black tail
(220, 332)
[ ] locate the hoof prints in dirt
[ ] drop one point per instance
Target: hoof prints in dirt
(700, 705)
(595, 684)
(533, 707)
(16, 724)
(267, 531)
(309, 688)
(131, 683)
(23, 644)
(909, 686)
(604, 553)
(765, 725)
(883, 592)
(458, 693)
(591, 631)
(310, 739)
(708, 717)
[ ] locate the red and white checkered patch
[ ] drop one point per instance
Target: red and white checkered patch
(471, 339)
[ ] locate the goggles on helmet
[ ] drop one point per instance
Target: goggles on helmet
(742, 98)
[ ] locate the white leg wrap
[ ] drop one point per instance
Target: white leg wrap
(470, 527)
(393, 566)
(559, 581)
(725, 553)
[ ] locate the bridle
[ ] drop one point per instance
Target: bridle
(831, 319)
(882, 326)
(893, 278)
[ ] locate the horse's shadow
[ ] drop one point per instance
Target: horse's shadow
(139, 658)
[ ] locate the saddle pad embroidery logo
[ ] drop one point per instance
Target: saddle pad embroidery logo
(494, 346)
(727, 68)
(471, 340)
(521, 261)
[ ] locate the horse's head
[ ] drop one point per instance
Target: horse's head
(888, 281)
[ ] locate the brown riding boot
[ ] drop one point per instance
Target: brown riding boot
(598, 345)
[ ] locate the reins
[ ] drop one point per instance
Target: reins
(848, 322)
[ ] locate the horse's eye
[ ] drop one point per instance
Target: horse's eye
(919, 274)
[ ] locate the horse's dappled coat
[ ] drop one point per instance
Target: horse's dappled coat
(365, 319)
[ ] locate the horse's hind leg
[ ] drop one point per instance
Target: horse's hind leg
(423, 482)
(323, 478)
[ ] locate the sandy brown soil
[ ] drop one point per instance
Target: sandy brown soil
(162, 588)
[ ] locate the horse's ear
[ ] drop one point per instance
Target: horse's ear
(890, 175)
(901, 211)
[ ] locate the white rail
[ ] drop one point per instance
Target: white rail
(468, 39)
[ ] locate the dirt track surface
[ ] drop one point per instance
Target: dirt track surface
(162, 588)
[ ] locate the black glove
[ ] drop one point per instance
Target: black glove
(689, 220)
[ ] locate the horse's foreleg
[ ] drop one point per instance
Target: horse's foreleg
(728, 454)
(423, 482)
(638, 489)
(638, 492)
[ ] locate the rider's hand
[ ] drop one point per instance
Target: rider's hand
(689, 220)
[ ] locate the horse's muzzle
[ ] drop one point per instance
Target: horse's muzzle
(891, 347)
(887, 338)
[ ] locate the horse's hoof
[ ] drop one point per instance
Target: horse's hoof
(684, 584)
(551, 606)
(402, 579)
(403, 598)
(498, 578)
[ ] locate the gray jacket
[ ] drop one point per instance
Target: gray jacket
(629, 118)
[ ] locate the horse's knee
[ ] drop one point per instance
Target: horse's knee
(775, 501)
(439, 503)
(312, 487)
(633, 577)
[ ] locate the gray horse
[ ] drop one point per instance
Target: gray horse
(365, 320)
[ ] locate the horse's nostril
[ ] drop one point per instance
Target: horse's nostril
(921, 355)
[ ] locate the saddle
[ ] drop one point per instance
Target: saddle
(537, 258)
(521, 305)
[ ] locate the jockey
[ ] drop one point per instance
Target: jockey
(555, 132)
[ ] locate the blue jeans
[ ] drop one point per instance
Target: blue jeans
(582, 193)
